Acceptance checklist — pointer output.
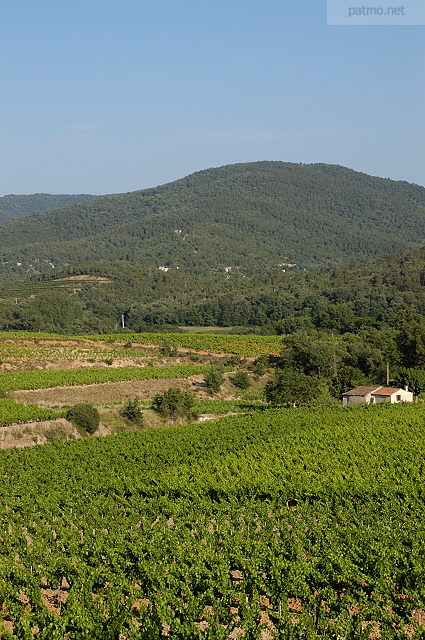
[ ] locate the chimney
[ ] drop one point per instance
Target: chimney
(406, 387)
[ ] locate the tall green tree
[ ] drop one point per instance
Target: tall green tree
(310, 354)
(413, 378)
(291, 387)
(411, 341)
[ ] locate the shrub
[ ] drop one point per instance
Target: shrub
(214, 379)
(260, 365)
(85, 416)
(174, 403)
(241, 380)
(131, 411)
(168, 350)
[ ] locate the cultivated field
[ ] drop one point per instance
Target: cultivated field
(276, 524)
(43, 375)
(265, 523)
(244, 345)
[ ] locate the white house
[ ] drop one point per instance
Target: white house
(375, 395)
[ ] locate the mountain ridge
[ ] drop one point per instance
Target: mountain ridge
(247, 215)
(15, 206)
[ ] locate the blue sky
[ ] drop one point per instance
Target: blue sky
(105, 96)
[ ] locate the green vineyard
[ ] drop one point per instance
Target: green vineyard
(12, 412)
(39, 379)
(275, 524)
(244, 345)
(247, 345)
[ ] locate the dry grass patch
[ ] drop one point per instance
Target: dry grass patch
(29, 434)
(105, 392)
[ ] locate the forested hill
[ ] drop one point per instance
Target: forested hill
(12, 206)
(252, 215)
(376, 294)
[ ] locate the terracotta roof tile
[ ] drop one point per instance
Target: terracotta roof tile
(386, 391)
(361, 391)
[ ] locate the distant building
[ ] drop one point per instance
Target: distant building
(375, 395)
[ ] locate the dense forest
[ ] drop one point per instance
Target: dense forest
(249, 216)
(344, 299)
(14, 206)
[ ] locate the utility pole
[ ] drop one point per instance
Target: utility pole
(388, 374)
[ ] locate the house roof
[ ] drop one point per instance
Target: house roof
(386, 391)
(361, 391)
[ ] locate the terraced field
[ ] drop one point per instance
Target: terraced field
(45, 374)
(244, 345)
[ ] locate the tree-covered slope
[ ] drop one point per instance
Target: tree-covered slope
(16, 206)
(94, 296)
(246, 215)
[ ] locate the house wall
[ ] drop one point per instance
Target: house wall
(354, 400)
(379, 399)
(406, 396)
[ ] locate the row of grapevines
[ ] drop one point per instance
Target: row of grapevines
(40, 379)
(244, 345)
(13, 412)
(31, 335)
(281, 523)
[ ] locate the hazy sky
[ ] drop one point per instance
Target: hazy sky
(104, 96)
